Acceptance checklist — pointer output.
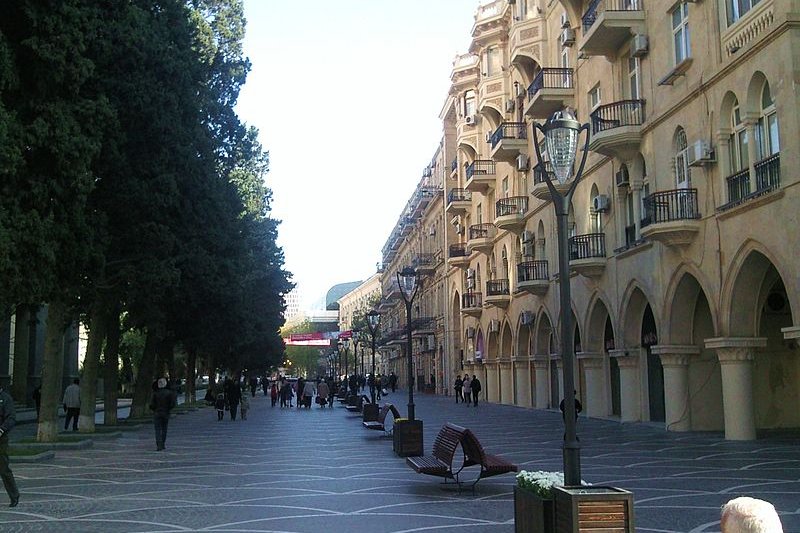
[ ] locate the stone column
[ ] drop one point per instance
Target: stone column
(675, 360)
(629, 384)
(492, 382)
(636, 189)
(522, 381)
(791, 334)
(750, 123)
(506, 383)
(595, 380)
(736, 356)
(541, 367)
(560, 367)
(620, 221)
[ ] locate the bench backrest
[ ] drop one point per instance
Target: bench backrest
(384, 412)
(447, 441)
(473, 449)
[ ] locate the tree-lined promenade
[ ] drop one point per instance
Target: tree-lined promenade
(132, 197)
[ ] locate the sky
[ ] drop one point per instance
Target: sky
(346, 95)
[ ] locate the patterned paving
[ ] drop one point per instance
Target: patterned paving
(289, 471)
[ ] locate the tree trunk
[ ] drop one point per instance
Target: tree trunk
(52, 372)
(19, 389)
(191, 362)
(144, 378)
(111, 369)
(91, 363)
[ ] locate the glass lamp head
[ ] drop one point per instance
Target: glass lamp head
(374, 318)
(407, 278)
(561, 138)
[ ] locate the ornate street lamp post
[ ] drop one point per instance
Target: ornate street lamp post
(373, 321)
(561, 132)
(409, 282)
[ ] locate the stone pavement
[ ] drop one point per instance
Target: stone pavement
(319, 471)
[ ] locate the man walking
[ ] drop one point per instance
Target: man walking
(162, 403)
(8, 418)
(72, 404)
(459, 387)
(475, 385)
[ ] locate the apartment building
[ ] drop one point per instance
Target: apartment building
(682, 230)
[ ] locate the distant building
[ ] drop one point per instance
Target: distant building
(293, 300)
(336, 292)
(358, 299)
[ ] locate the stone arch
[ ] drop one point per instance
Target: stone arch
(754, 89)
(468, 151)
(524, 344)
(506, 341)
(527, 65)
(634, 301)
(492, 114)
(541, 240)
(480, 346)
(544, 336)
(729, 101)
(684, 288)
(595, 327)
(640, 333)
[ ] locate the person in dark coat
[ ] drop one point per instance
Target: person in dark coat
(8, 419)
(392, 381)
(475, 386)
(459, 388)
(161, 404)
(234, 396)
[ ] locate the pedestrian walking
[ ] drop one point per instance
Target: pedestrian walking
(273, 394)
(234, 397)
(253, 386)
(72, 404)
(475, 387)
(286, 394)
(8, 418)
(161, 404)
(308, 394)
(323, 392)
(466, 394)
(392, 381)
(219, 405)
(245, 405)
(299, 387)
(459, 388)
(378, 387)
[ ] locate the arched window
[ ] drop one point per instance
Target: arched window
(767, 138)
(595, 217)
(540, 240)
(492, 267)
(738, 141)
(504, 265)
(469, 103)
(683, 177)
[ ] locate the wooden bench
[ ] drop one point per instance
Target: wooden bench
(440, 463)
(358, 406)
(491, 465)
(380, 423)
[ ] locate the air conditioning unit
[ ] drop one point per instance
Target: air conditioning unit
(527, 236)
(526, 318)
(470, 284)
(431, 231)
(488, 137)
(522, 162)
(700, 153)
(459, 229)
(470, 333)
(567, 37)
(639, 45)
(510, 105)
(601, 203)
(621, 177)
(470, 119)
(494, 326)
(470, 273)
(527, 249)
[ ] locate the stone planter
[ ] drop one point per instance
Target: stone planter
(533, 514)
(599, 508)
(407, 438)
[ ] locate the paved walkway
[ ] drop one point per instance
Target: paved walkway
(319, 471)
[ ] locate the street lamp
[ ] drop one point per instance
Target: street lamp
(373, 321)
(561, 132)
(409, 282)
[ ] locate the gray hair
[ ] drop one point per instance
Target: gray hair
(162, 382)
(749, 515)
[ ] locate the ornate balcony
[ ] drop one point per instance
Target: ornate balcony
(609, 24)
(423, 325)
(768, 179)
(671, 217)
(509, 140)
(552, 89)
(424, 263)
(458, 201)
(498, 293)
(532, 276)
(617, 129)
(392, 290)
(540, 189)
(481, 175)
(472, 303)
(587, 254)
(458, 254)
(510, 213)
(481, 237)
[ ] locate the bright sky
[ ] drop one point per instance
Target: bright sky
(346, 95)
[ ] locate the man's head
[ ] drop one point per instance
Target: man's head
(76, 381)
(162, 382)
(749, 515)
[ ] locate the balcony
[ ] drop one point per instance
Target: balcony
(392, 291)
(617, 129)
(609, 24)
(510, 213)
(509, 140)
(587, 254)
(481, 237)
(458, 201)
(423, 325)
(533, 277)
(424, 263)
(671, 217)
(498, 293)
(540, 189)
(768, 179)
(458, 254)
(472, 303)
(481, 175)
(552, 89)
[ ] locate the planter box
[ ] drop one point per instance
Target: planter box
(606, 509)
(407, 438)
(370, 412)
(533, 514)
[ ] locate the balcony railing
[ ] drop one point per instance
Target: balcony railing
(551, 78)
(515, 205)
(482, 231)
(618, 114)
(481, 167)
(669, 206)
(532, 271)
(497, 287)
(471, 300)
(458, 250)
(587, 246)
(423, 260)
(509, 130)
(768, 174)
(454, 165)
(539, 173)
(459, 195)
(768, 178)
(596, 7)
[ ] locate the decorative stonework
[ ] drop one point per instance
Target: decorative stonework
(753, 24)
(494, 87)
(530, 33)
(675, 355)
(625, 358)
(791, 333)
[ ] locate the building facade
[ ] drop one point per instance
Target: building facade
(682, 229)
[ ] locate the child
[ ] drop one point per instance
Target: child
(220, 406)
(273, 394)
(244, 406)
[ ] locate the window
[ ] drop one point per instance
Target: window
(594, 98)
(767, 138)
(505, 187)
(479, 213)
(522, 5)
(738, 142)
(680, 32)
(634, 93)
(469, 103)
(737, 9)
(566, 79)
(682, 173)
(492, 61)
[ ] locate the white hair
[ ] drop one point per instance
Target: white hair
(162, 382)
(749, 515)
